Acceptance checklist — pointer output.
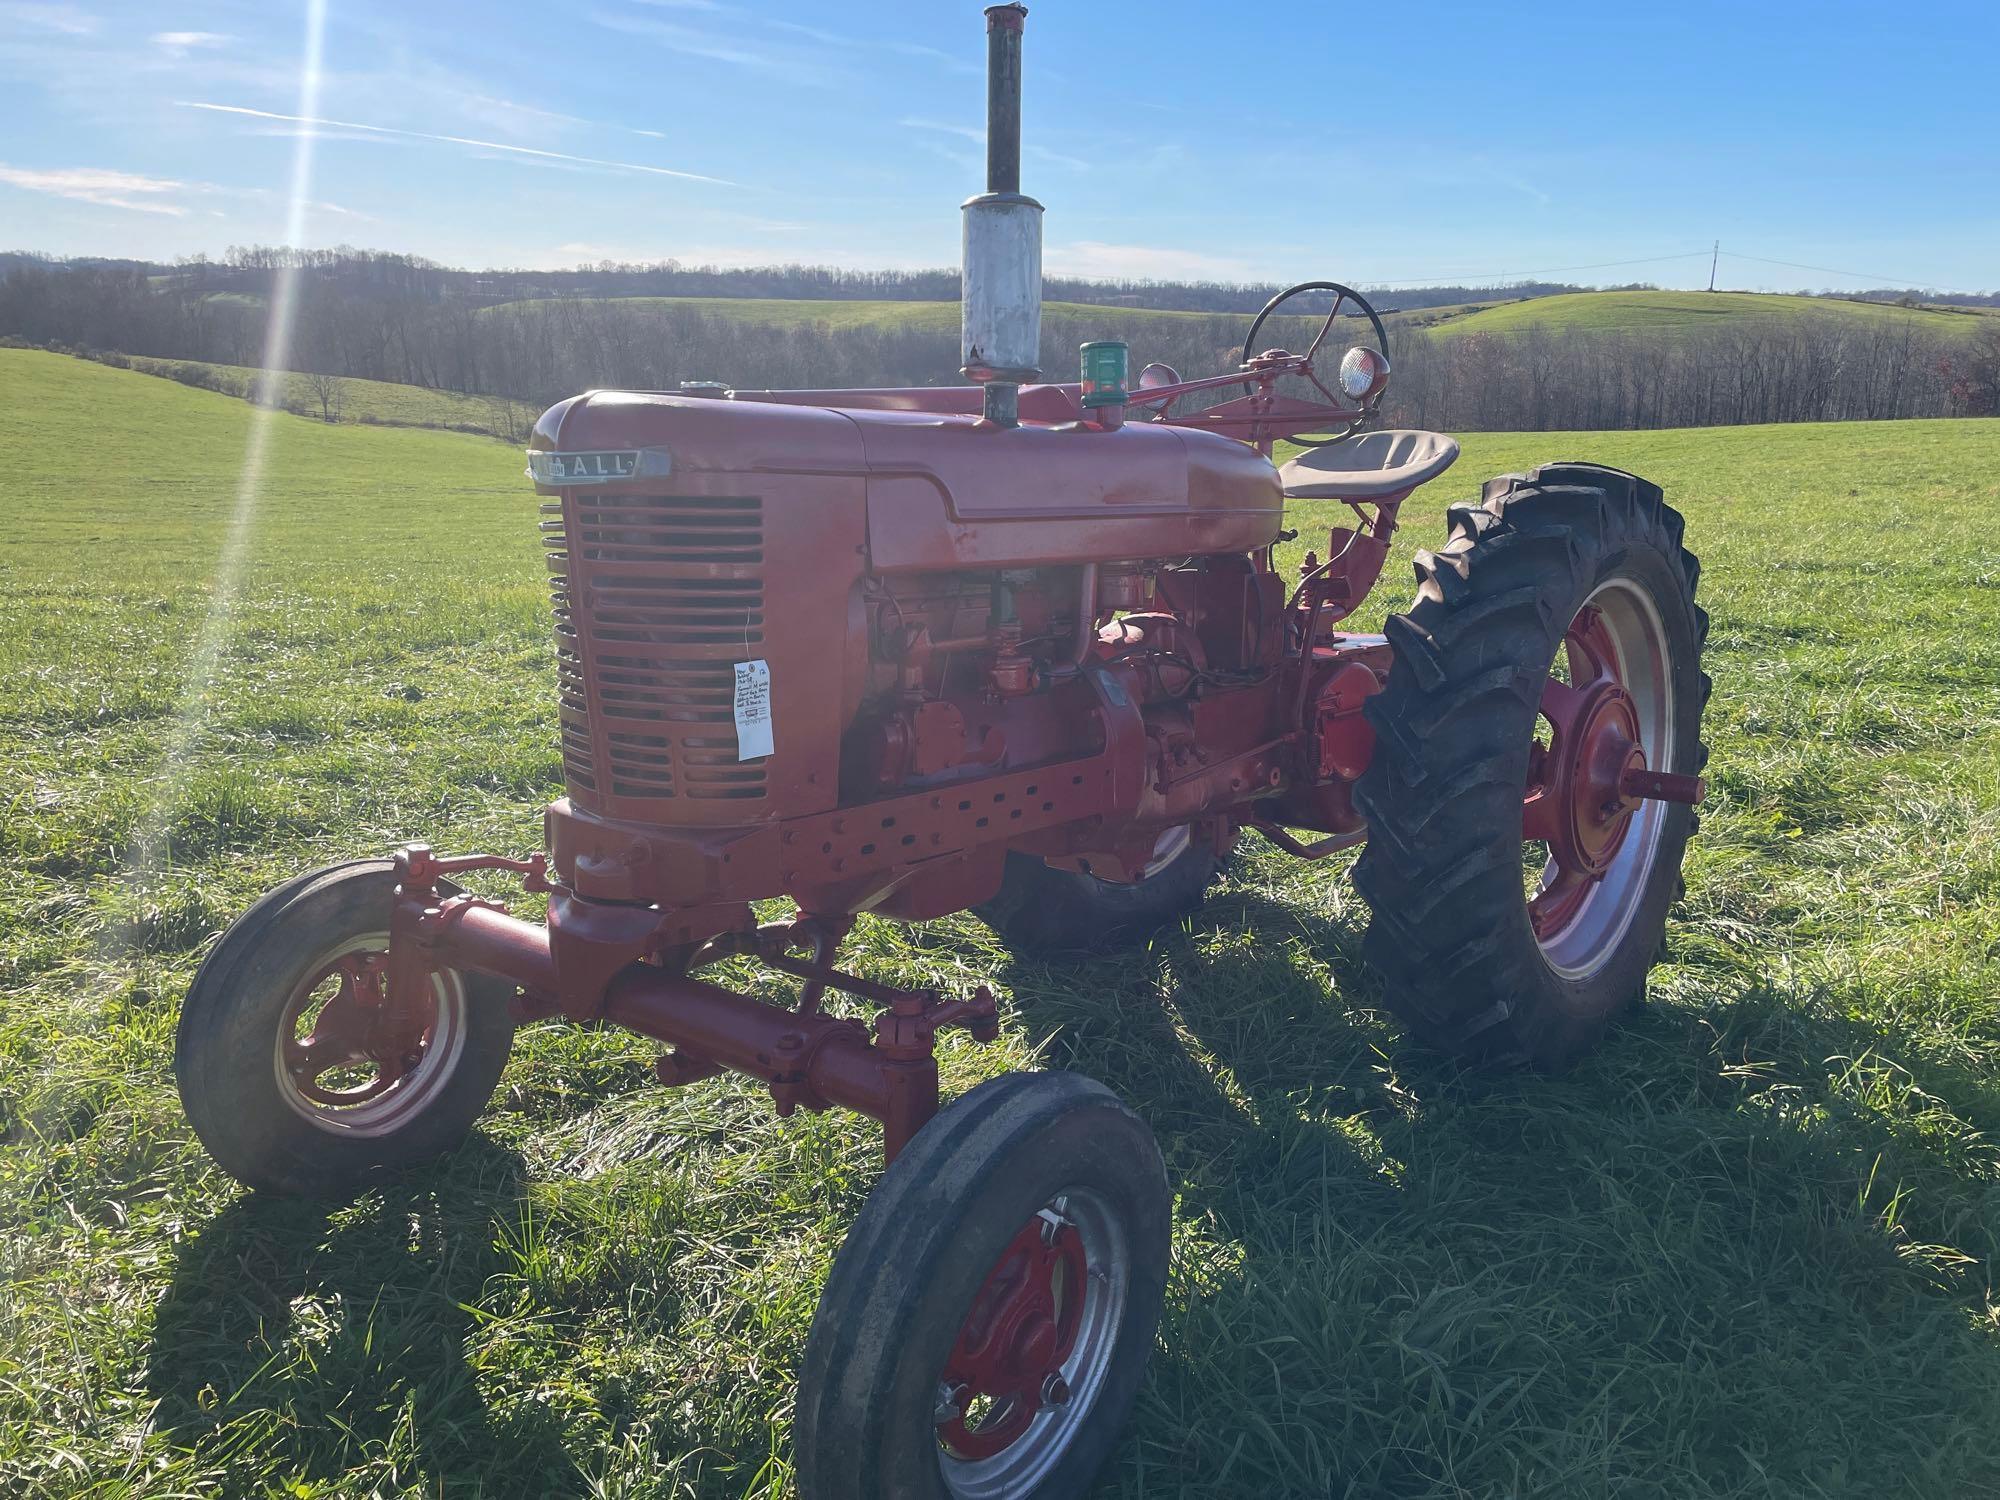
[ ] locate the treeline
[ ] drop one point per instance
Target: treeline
(559, 346)
(385, 318)
(1815, 368)
(1910, 296)
(251, 271)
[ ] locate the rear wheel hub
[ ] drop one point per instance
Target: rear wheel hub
(1593, 796)
(1595, 741)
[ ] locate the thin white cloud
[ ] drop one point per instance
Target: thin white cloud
(1094, 258)
(969, 132)
(1056, 158)
(938, 55)
(109, 188)
(454, 140)
(928, 138)
(768, 44)
(711, 46)
(935, 55)
(102, 186)
(181, 43)
(974, 133)
(739, 17)
(571, 253)
(521, 119)
(583, 252)
(512, 116)
(66, 20)
(811, 33)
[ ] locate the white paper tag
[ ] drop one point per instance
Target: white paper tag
(753, 710)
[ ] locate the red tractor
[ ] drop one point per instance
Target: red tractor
(1023, 649)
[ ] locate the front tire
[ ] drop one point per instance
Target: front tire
(1572, 561)
(986, 1325)
(285, 1069)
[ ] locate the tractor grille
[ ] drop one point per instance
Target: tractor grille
(656, 599)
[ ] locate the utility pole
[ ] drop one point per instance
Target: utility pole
(1714, 256)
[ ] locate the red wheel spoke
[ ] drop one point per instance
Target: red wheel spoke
(1540, 820)
(340, 1030)
(1589, 640)
(352, 1030)
(1562, 705)
(1558, 901)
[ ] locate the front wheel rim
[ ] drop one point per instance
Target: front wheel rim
(1169, 847)
(1034, 1350)
(343, 1065)
(1614, 715)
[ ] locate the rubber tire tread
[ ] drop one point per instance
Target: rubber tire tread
(920, 1248)
(1441, 872)
(228, 1028)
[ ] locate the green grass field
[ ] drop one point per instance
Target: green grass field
(1747, 1250)
(1683, 312)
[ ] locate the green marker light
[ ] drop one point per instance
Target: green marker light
(1105, 362)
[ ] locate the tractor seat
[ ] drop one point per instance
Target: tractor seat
(1372, 466)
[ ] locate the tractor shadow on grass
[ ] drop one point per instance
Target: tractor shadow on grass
(1771, 1221)
(1247, 1041)
(316, 1337)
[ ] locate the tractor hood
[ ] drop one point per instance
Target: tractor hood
(944, 489)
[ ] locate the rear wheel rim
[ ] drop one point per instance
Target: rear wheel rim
(1616, 710)
(348, 1068)
(1033, 1351)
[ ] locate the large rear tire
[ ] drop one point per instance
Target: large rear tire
(1493, 943)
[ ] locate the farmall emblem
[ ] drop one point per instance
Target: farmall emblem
(599, 466)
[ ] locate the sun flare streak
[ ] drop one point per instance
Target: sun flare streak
(204, 662)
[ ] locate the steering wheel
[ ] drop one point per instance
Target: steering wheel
(1342, 295)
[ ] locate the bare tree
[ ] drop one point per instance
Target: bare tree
(328, 392)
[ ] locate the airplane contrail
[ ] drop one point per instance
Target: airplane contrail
(452, 140)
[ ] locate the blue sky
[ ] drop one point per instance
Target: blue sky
(1167, 139)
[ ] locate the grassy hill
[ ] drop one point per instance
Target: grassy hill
(1676, 312)
(1748, 1249)
(370, 402)
(1652, 312)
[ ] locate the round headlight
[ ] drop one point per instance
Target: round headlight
(1363, 373)
(1156, 375)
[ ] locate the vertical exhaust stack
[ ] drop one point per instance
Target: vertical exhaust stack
(1001, 270)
